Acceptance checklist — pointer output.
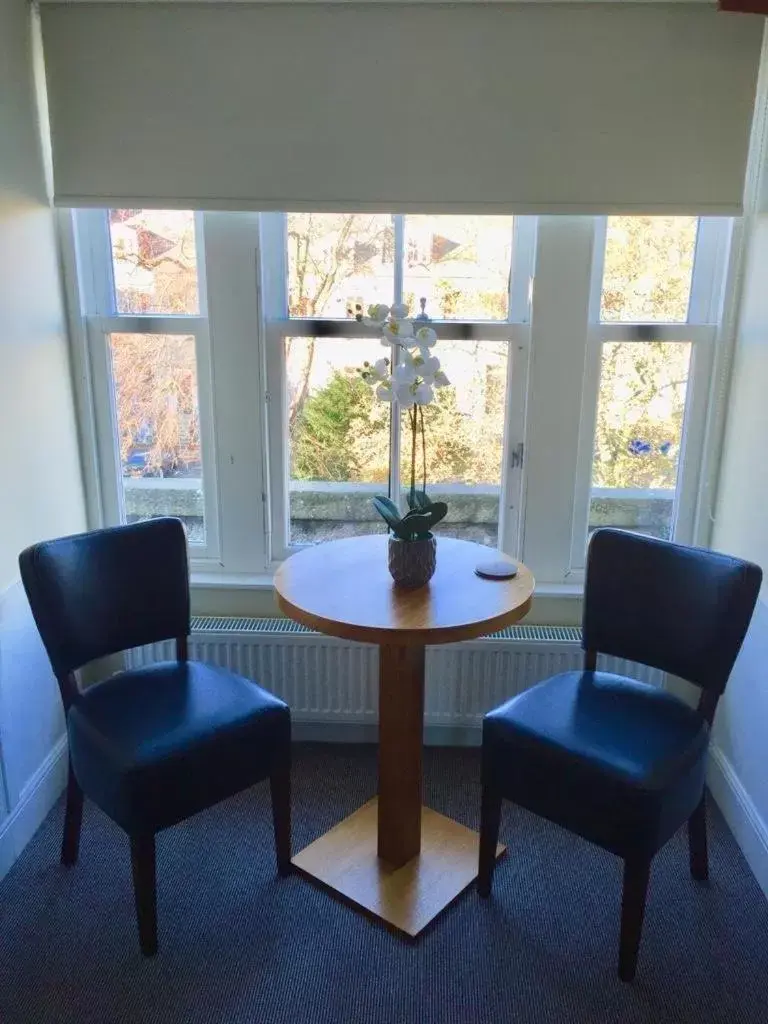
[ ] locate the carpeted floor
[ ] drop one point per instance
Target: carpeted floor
(238, 946)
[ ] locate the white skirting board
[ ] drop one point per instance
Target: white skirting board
(35, 802)
(749, 828)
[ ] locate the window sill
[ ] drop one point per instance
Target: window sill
(232, 581)
(265, 581)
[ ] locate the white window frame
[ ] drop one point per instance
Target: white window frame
(228, 400)
(554, 337)
(278, 326)
(700, 330)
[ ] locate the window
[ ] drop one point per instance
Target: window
(337, 262)
(158, 428)
(149, 356)
(222, 353)
(465, 439)
(338, 436)
(647, 370)
(154, 261)
(638, 435)
(338, 446)
(460, 265)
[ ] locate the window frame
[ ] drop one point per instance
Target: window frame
(89, 234)
(278, 326)
(700, 330)
(554, 340)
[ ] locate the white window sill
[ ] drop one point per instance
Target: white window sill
(265, 581)
(232, 581)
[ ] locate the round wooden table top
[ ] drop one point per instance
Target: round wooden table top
(343, 588)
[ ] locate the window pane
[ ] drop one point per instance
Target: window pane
(460, 265)
(337, 261)
(154, 261)
(640, 415)
(155, 380)
(648, 269)
(339, 439)
(464, 430)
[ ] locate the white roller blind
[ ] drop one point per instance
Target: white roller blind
(476, 108)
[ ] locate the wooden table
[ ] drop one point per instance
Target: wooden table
(394, 858)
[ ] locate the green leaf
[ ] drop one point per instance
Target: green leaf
(437, 510)
(416, 524)
(418, 499)
(388, 511)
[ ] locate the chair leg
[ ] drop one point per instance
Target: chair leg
(280, 788)
(73, 820)
(636, 875)
(697, 842)
(490, 819)
(145, 891)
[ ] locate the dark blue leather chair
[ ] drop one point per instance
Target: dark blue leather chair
(154, 745)
(617, 761)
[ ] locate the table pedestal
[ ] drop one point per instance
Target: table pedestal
(394, 858)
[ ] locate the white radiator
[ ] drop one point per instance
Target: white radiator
(329, 681)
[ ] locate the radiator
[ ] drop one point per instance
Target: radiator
(328, 681)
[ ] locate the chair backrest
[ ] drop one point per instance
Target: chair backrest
(683, 610)
(106, 591)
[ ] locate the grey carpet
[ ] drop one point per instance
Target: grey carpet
(237, 945)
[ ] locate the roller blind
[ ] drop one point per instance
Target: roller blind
(523, 108)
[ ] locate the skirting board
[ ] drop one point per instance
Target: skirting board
(36, 800)
(744, 821)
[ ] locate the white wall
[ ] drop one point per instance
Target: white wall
(40, 479)
(740, 749)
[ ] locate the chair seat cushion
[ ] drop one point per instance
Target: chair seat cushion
(615, 760)
(152, 746)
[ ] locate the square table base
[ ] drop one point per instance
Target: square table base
(407, 898)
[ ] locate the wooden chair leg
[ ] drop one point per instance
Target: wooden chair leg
(697, 842)
(490, 819)
(73, 820)
(145, 891)
(280, 787)
(636, 875)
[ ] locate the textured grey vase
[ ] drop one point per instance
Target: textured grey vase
(412, 563)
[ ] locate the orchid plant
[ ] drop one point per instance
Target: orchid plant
(408, 382)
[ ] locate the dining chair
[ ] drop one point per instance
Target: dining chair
(620, 762)
(154, 745)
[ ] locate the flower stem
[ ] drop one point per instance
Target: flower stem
(414, 429)
(423, 450)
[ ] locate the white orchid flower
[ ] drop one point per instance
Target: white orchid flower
(398, 332)
(430, 365)
(423, 393)
(426, 337)
(380, 370)
(399, 311)
(384, 392)
(404, 374)
(377, 315)
(440, 380)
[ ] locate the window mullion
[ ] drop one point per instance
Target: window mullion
(105, 416)
(559, 323)
(395, 421)
(398, 225)
(237, 387)
(94, 248)
(707, 284)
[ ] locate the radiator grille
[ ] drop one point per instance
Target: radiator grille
(325, 679)
(217, 624)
